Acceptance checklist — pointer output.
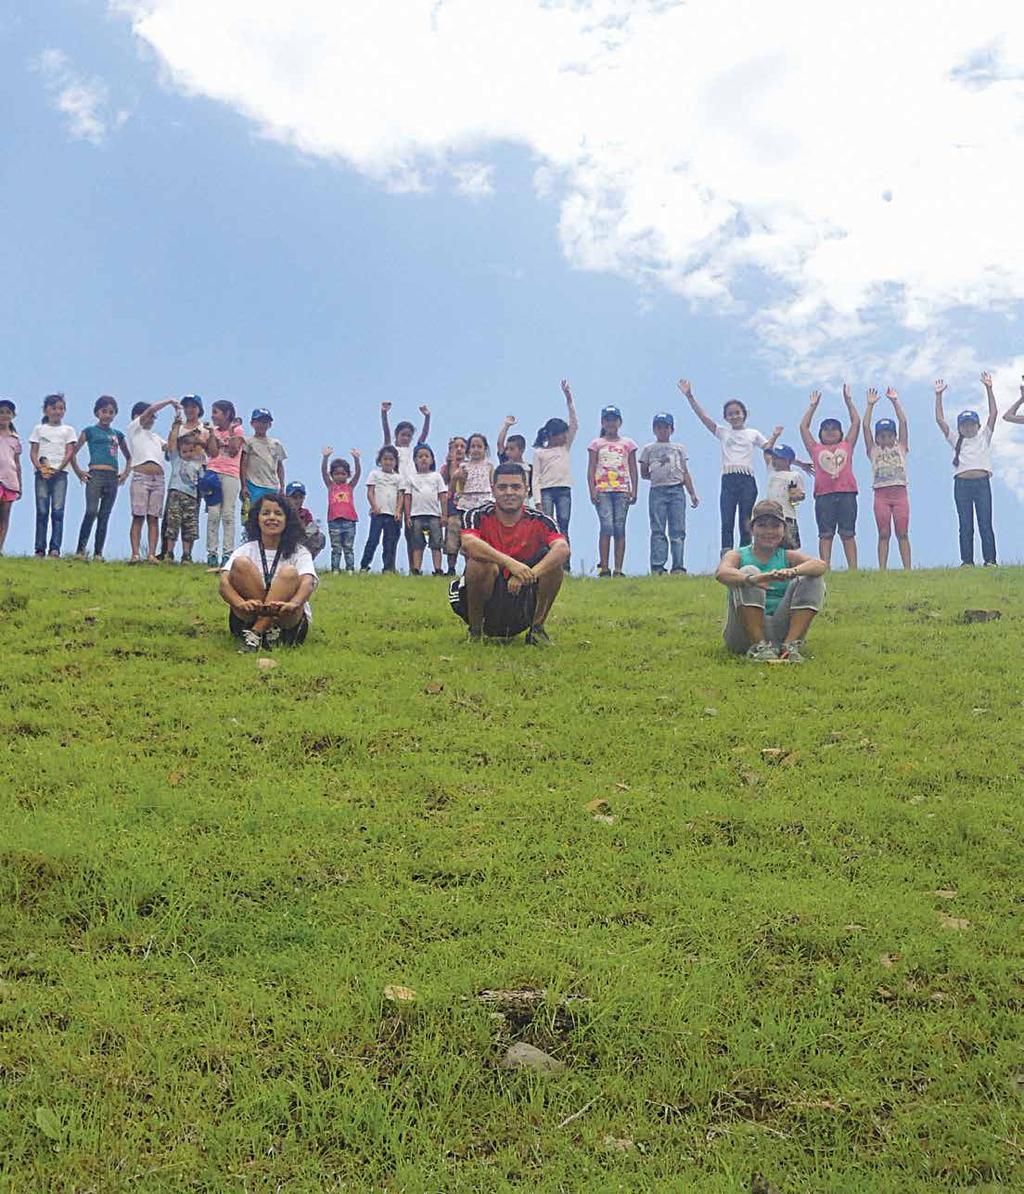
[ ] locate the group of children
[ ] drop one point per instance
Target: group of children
(218, 464)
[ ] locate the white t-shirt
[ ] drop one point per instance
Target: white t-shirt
(777, 488)
(552, 469)
(406, 467)
(53, 442)
(301, 561)
(144, 445)
(974, 451)
(738, 448)
(385, 489)
(425, 489)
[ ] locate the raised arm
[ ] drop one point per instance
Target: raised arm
(573, 421)
(425, 429)
(940, 418)
(805, 422)
(1011, 415)
(172, 436)
(869, 414)
(357, 456)
(687, 392)
(385, 425)
(901, 418)
(509, 421)
(325, 455)
(773, 438)
(854, 413)
(157, 407)
(993, 410)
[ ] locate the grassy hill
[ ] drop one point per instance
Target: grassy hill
(805, 964)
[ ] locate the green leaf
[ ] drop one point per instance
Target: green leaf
(48, 1123)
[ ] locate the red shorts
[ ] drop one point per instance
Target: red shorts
(8, 495)
(892, 503)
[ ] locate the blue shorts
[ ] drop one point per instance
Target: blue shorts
(612, 509)
(258, 491)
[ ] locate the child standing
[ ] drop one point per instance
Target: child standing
(887, 452)
(786, 486)
(103, 479)
(738, 443)
(453, 526)
(224, 448)
(972, 473)
(341, 507)
(611, 478)
(146, 450)
(52, 444)
(404, 444)
(425, 498)
(263, 457)
(663, 463)
(512, 450)
(383, 492)
(10, 466)
(181, 515)
(835, 486)
(552, 471)
(475, 475)
(312, 536)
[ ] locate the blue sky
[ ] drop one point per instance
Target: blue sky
(191, 206)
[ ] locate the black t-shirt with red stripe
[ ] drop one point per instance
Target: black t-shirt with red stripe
(525, 540)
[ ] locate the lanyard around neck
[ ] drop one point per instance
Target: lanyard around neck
(268, 573)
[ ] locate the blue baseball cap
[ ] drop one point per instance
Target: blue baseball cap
(261, 412)
(664, 416)
(294, 487)
(194, 398)
(968, 416)
(885, 425)
(610, 412)
(783, 452)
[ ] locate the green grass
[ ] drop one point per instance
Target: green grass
(210, 873)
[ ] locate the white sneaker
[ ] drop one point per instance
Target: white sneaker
(251, 641)
(763, 652)
(271, 636)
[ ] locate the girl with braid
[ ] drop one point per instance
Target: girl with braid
(972, 472)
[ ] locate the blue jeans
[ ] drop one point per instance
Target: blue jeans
(50, 494)
(556, 502)
(100, 495)
(667, 507)
(612, 509)
(739, 493)
(343, 539)
(388, 526)
(973, 495)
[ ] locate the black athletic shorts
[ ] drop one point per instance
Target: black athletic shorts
(505, 614)
(291, 636)
(836, 510)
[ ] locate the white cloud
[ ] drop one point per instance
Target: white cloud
(860, 164)
(84, 102)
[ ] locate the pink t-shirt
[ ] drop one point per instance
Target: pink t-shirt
(222, 462)
(612, 472)
(833, 468)
(10, 450)
(340, 503)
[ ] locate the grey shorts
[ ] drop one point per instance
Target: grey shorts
(426, 526)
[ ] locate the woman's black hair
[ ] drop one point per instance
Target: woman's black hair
(293, 534)
(959, 445)
(734, 402)
(550, 428)
(48, 401)
(102, 401)
(388, 450)
(225, 408)
(140, 408)
(425, 448)
(829, 423)
(477, 435)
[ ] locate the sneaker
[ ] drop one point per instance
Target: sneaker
(678, 571)
(990, 564)
(658, 572)
(211, 559)
(251, 642)
(186, 557)
(602, 572)
(792, 652)
(167, 557)
(80, 555)
(272, 636)
(54, 554)
(763, 652)
(618, 574)
(537, 636)
(223, 559)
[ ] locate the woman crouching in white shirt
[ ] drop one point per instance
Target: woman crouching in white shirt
(267, 581)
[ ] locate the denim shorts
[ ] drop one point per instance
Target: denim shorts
(612, 509)
(833, 510)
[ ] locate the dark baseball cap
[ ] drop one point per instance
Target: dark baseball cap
(969, 416)
(610, 412)
(767, 509)
(294, 487)
(783, 452)
(261, 412)
(885, 425)
(664, 416)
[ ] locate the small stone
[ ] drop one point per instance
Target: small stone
(266, 664)
(399, 994)
(619, 1144)
(709, 712)
(604, 818)
(600, 805)
(522, 1056)
(774, 754)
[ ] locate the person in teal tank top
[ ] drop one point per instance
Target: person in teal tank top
(774, 594)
